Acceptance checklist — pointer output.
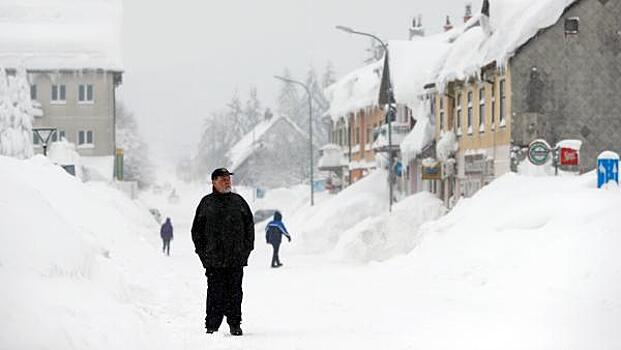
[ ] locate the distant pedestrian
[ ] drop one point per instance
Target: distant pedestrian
(274, 231)
(223, 235)
(166, 232)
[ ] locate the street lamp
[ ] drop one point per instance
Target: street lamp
(391, 108)
(310, 128)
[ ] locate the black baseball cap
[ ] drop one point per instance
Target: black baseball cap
(220, 172)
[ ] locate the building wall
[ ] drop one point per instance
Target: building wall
(73, 116)
(492, 133)
(568, 86)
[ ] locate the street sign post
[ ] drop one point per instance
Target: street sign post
(607, 168)
(44, 135)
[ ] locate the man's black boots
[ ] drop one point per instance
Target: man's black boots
(236, 329)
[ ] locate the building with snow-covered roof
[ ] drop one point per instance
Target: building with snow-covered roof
(71, 52)
(524, 70)
(355, 112)
(275, 153)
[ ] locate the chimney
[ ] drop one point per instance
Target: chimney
(485, 25)
(417, 30)
(468, 13)
(448, 26)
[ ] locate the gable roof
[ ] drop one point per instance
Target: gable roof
(60, 34)
(247, 145)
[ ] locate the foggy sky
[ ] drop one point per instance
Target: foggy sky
(185, 58)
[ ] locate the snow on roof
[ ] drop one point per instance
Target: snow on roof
(249, 142)
(61, 34)
(358, 89)
(332, 157)
(512, 24)
(415, 63)
(421, 135)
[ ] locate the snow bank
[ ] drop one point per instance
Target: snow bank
(321, 227)
(61, 34)
(389, 234)
(74, 259)
(526, 263)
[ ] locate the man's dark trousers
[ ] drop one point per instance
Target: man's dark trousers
(224, 296)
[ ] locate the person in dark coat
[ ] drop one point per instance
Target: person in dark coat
(166, 232)
(274, 231)
(223, 235)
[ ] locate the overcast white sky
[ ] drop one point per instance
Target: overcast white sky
(184, 58)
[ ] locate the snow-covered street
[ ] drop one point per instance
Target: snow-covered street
(543, 274)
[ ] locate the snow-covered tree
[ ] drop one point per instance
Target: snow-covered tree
(289, 100)
(329, 76)
(219, 135)
(235, 115)
(15, 115)
(320, 105)
(252, 110)
(136, 163)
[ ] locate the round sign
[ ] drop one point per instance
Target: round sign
(538, 152)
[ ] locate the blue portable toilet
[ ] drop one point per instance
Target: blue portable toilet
(607, 168)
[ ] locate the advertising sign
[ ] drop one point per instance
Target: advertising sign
(569, 156)
(474, 164)
(539, 152)
(432, 171)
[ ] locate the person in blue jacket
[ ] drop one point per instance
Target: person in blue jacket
(166, 232)
(274, 231)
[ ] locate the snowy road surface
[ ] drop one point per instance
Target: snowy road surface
(309, 303)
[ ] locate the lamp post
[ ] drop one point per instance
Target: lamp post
(310, 128)
(391, 109)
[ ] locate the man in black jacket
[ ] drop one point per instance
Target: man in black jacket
(223, 235)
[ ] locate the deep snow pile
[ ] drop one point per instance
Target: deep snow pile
(74, 261)
(527, 263)
(321, 227)
(389, 234)
(60, 34)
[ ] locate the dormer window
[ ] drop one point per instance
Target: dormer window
(572, 25)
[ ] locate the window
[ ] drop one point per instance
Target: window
(469, 112)
(441, 120)
(61, 135)
(572, 25)
(35, 139)
(441, 113)
(85, 93)
(59, 94)
(482, 109)
(85, 138)
(458, 111)
(33, 92)
(493, 110)
(502, 116)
